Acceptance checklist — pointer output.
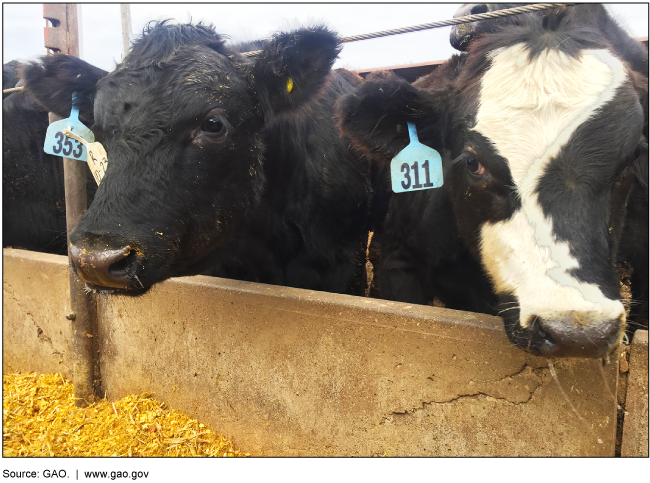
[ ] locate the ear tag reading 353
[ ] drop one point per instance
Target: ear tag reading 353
(58, 144)
(416, 167)
(97, 157)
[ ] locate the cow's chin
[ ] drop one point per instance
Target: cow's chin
(531, 338)
(135, 292)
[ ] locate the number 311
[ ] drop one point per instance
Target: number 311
(406, 169)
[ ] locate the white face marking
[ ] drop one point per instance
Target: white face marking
(529, 110)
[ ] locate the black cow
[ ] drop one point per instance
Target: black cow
(217, 163)
(541, 127)
(33, 197)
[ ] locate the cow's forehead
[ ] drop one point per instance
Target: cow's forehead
(529, 108)
(192, 66)
(194, 81)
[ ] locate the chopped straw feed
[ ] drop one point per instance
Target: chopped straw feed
(40, 419)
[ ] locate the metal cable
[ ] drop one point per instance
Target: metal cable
(416, 28)
(442, 23)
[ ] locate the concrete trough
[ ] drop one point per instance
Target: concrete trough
(635, 431)
(291, 372)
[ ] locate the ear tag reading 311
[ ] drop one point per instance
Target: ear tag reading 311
(416, 167)
(58, 144)
(97, 157)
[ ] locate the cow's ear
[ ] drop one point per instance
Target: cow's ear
(53, 80)
(375, 117)
(291, 70)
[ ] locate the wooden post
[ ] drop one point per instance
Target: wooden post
(125, 9)
(63, 37)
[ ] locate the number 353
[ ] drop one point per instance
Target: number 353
(63, 146)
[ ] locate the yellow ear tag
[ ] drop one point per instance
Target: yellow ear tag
(289, 84)
(97, 157)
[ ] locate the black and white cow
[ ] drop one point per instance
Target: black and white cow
(33, 197)
(635, 236)
(216, 163)
(542, 130)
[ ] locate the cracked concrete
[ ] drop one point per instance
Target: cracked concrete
(35, 332)
(517, 388)
(282, 371)
(45, 339)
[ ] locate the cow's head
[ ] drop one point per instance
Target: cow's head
(183, 121)
(537, 133)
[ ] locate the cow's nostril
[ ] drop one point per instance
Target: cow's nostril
(550, 346)
(614, 339)
(115, 268)
(480, 8)
(546, 340)
(124, 265)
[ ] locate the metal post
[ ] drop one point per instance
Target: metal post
(125, 9)
(62, 37)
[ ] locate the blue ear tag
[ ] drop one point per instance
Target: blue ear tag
(416, 167)
(59, 144)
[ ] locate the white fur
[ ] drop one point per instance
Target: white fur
(529, 110)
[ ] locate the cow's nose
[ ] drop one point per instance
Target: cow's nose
(462, 34)
(564, 338)
(108, 267)
(478, 8)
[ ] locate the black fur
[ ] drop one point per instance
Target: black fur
(10, 76)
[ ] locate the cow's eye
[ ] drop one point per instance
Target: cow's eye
(475, 167)
(213, 125)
